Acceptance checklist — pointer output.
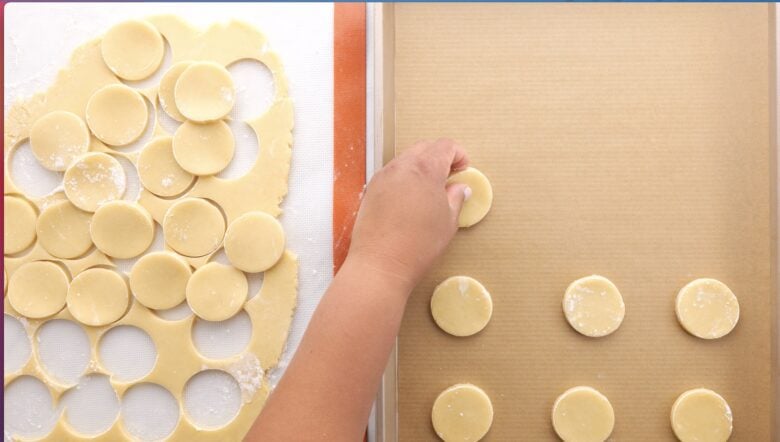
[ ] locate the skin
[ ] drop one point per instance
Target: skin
(407, 218)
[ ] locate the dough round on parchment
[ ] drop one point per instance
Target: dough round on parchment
(205, 92)
(117, 115)
(38, 289)
(98, 297)
(216, 292)
(462, 412)
(481, 199)
(593, 306)
(94, 179)
(159, 280)
(165, 92)
(707, 308)
(158, 170)
(582, 414)
(18, 224)
(133, 49)
(461, 306)
(203, 149)
(63, 230)
(701, 415)
(254, 242)
(58, 138)
(193, 227)
(122, 229)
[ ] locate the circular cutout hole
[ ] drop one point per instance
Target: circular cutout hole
(181, 311)
(168, 123)
(222, 339)
(63, 350)
(16, 345)
(158, 245)
(212, 399)
(28, 409)
(91, 407)
(247, 149)
(133, 183)
(127, 352)
(255, 281)
(254, 89)
(149, 411)
(28, 174)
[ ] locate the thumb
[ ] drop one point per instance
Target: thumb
(457, 194)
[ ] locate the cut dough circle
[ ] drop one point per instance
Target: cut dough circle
(205, 92)
(18, 224)
(461, 306)
(159, 280)
(707, 308)
(165, 93)
(582, 414)
(593, 306)
(117, 115)
(158, 170)
(63, 230)
(193, 227)
(98, 297)
(701, 415)
(481, 199)
(216, 292)
(122, 229)
(133, 49)
(462, 412)
(38, 289)
(254, 242)
(94, 179)
(58, 138)
(203, 149)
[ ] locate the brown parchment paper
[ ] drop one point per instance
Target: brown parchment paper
(633, 141)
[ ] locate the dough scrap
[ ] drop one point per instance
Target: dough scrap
(122, 229)
(481, 199)
(159, 280)
(707, 308)
(582, 414)
(462, 412)
(167, 87)
(63, 230)
(158, 170)
(133, 49)
(97, 297)
(593, 306)
(18, 224)
(58, 138)
(117, 115)
(461, 306)
(216, 292)
(94, 179)
(203, 149)
(205, 92)
(701, 415)
(254, 242)
(193, 227)
(38, 289)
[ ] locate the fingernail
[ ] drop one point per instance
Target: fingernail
(466, 193)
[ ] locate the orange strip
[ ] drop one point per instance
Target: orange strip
(349, 122)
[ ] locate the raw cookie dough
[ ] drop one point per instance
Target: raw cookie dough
(193, 227)
(58, 138)
(478, 203)
(122, 229)
(167, 87)
(582, 414)
(117, 115)
(593, 306)
(158, 170)
(701, 415)
(203, 149)
(216, 292)
(133, 50)
(37, 289)
(205, 92)
(461, 306)
(254, 242)
(159, 280)
(462, 412)
(707, 308)
(94, 179)
(98, 297)
(63, 230)
(18, 224)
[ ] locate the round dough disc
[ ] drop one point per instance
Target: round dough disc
(63, 230)
(707, 308)
(205, 92)
(133, 50)
(18, 224)
(582, 414)
(159, 280)
(216, 292)
(94, 179)
(701, 415)
(593, 306)
(122, 229)
(98, 297)
(38, 289)
(462, 412)
(461, 306)
(203, 149)
(167, 87)
(58, 138)
(158, 170)
(117, 115)
(481, 199)
(254, 242)
(193, 227)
